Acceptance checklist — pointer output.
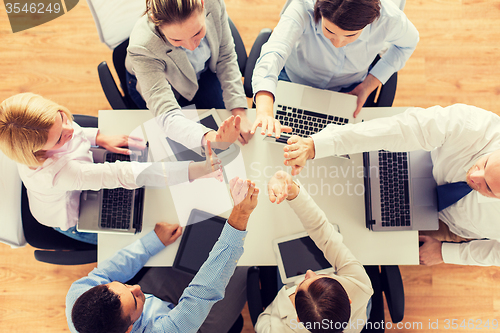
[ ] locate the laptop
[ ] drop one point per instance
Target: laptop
(116, 210)
(400, 191)
(308, 110)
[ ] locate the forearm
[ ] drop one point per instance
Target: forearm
(208, 285)
(485, 252)
(413, 129)
(264, 101)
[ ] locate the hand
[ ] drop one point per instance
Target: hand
(297, 152)
(363, 90)
(282, 187)
(245, 126)
(228, 132)
(167, 233)
(210, 168)
(114, 143)
(245, 197)
(264, 101)
(430, 252)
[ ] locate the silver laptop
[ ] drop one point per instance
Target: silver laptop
(308, 110)
(400, 191)
(116, 210)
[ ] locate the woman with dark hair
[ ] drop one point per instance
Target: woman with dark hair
(330, 44)
(181, 53)
(320, 303)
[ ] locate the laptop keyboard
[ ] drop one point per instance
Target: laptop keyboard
(394, 189)
(116, 203)
(305, 122)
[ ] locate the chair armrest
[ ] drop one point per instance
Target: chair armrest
(109, 87)
(392, 285)
(67, 257)
(254, 298)
(85, 120)
(252, 59)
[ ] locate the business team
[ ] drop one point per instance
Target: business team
(181, 52)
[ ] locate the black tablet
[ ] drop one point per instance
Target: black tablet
(200, 235)
(295, 254)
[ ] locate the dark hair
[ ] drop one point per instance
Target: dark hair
(348, 15)
(99, 310)
(324, 299)
(171, 11)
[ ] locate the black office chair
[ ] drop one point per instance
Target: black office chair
(54, 247)
(247, 63)
(116, 99)
(262, 289)
(387, 91)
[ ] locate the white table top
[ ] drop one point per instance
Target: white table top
(335, 184)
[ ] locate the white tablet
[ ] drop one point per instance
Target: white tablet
(295, 254)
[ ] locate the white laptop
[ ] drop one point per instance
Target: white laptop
(400, 191)
(308, 110)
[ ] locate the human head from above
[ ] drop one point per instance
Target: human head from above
(108, 308)
(320, 297)
(484, 175)
(31, 125)
(343, 21)
(182, 22)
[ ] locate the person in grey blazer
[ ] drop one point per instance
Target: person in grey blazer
(181, 52)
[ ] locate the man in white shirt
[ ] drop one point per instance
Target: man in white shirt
(465, 146)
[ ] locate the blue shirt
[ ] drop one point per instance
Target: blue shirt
(203, 292)
(199, 57)
(309, 58)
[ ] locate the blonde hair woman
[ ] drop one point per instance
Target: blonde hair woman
(55, 162)
(181, 52)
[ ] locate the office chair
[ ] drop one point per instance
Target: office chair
(247, 63)
(116, 99)
(262, 289)
(54, 247)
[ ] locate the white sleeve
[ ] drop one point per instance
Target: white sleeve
(413, 129)
(95, 176)
(482, 252)
(275, 52)
(403, 39)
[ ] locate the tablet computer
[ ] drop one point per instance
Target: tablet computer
(295, 254)
(200, 235)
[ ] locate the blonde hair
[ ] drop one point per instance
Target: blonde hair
(171, 11)
(25, 121)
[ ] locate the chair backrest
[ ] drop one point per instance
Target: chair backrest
(115, 19)
(10, 203)
(239, 47)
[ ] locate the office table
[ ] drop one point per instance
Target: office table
(336, 185)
